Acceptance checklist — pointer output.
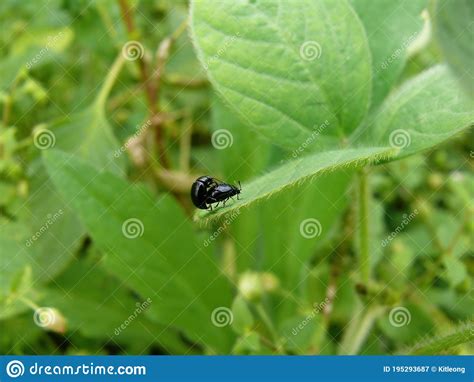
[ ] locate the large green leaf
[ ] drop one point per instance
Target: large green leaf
(87, 134)
(287, 69)
(296, 171)
(150, 245)
(452, 21)
(244, 157)
(15, 268)
(390, 27)
(424, 112)
(85, 291)
(296, 224)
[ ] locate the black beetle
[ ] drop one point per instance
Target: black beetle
(207, 190)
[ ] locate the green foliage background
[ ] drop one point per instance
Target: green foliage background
(347, 123)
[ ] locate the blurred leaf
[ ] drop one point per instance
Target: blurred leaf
(455, 270)
(424, 112)
(150, 245)
(88, 135)
(297, 332)
(296, 171)
(390, 27)
(304, 62)
(406, 324)
(248, 344)
(243, 318)
(452, 20)
(85, 292)
(294, 226)
(14, 267)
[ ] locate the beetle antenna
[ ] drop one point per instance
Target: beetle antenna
(240, 186)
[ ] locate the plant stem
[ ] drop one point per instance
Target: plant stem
(462, 334)
(359, 329)
(151, 91)
(363, 225)
(110, 81)
(269, 324)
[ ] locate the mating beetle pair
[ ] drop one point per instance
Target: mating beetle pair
(207, 190)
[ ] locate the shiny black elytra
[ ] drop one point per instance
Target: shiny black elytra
(206, 191)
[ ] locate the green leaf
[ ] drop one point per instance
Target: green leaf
(462, 334)
(452, 20)
(150, 245)
(286, 69)
(390, 27)
(88, 135)
(294, 225)
(15, 268)
(298, 331)
(242, 152)
(455, 270)
(243, 319)
(85, 291)
(424, 112)
(296, 171)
